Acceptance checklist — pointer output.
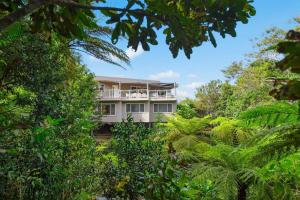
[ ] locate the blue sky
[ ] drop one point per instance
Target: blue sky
(206, 61)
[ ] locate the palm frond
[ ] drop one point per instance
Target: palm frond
(95, 45)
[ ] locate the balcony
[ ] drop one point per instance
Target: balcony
(138, 94)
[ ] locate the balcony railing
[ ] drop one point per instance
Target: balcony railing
(137, 94)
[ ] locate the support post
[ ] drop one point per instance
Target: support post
(175, 89)
(120, 95)
(147, 89)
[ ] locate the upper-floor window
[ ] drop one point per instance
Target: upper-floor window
(135, 107)
(100, 86)
(163, 108)
(108, 109)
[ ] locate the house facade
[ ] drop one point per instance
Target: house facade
(146, 100)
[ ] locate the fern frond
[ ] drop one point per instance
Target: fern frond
(270, 115)
(194, 125)
(275, 143)
(229, 132)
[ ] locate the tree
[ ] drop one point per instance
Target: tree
(136, 166)
(237, 156)
(94, 44)
(186, 24)
(288, 88)
(186, 110)
(47, 105)
(233, 71)
(207, 97)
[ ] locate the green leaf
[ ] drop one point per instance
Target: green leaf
(212, 38)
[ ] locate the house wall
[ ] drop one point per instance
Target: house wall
(137, 117)
(147, 116)
(161, 116)
(115, 118)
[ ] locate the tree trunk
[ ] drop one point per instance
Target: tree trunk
(21, 13)
(242, 191)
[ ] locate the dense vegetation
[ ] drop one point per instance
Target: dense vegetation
(238, 139)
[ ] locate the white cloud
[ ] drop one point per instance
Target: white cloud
(131, 53)
(192, 75)
(165, 74)
(194, 85)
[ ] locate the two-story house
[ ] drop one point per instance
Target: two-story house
(145, 100)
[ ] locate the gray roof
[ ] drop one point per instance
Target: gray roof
(123, 80)
(130, 80)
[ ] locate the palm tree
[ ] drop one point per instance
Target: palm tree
(94, 44)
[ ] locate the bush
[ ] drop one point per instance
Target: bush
(135, 165)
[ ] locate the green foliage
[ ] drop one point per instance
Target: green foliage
(185, 24)
(47, 103)
(186, 111)
(135, 165)
(233, 71)
(289, 88)
(207, 97)
(94, 45)
(229, 131)
(194, 125)
(287, 171)
(248, 84)
(271, 115)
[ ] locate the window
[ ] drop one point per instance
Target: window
(135, 108)
(108, 109)
(163, 107)
(100, 86)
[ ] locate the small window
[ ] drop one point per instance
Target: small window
(135, 108)
(170, 108)
(155, 107)
(100, 86)
(142, 108)
(163, 108)
(127, 108)
(108, 109)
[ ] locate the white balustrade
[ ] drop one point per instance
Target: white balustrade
(136, 94)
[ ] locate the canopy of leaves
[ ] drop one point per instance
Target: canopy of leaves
(135, 165)
(185, 24)
(288, 89)
(47, 103)
(271, 115)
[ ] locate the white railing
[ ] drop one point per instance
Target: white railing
(109, 94)
(161, 94)
(136, 94)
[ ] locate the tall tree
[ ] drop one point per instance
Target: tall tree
(207, 97)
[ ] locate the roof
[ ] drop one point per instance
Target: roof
(130, 80)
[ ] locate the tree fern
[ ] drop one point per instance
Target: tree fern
(229, 131)
(194, 125)
(185, 148)
(275, 143)
(271, 115)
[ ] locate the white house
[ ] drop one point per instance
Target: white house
(144, 99)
